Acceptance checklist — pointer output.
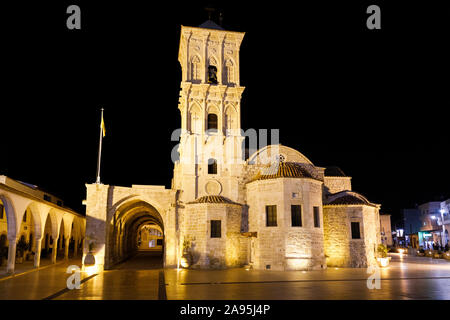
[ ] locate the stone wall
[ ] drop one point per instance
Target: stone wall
(337, 184)
(286, 247)
(230, 250)
(340, 248)
(336, 236)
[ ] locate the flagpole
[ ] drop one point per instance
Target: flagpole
(99, 150)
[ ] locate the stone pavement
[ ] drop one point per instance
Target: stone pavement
(429, 279)
(36, 284)
(138, 278)
(134, 279)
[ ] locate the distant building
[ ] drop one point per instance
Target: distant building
(431, 231)
(445, 214)
(385, 229)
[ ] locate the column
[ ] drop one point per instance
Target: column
(54, 249)
(37, 252)
(75, 248)
(66, 248)
(11, 255)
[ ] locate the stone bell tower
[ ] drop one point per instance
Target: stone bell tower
(210, 148)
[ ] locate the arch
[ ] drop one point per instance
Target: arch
(230, 118)
(212, 108)
(123, 227)
(212, 118)
(195, 68)
(194, 119)
(10, 216)
(229, 71)
(212, 61)
(39, 213)
(212, 166)
(212, 122)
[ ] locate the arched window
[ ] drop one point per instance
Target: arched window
(195, 120)
(212, 74)
(229, 120)
(195, 68)
(212, 166)
(229, 72)
(212, 122)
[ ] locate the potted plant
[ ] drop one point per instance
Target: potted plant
(89, 260)
(382, 253)
(437, 254)
(21, 247)
(446, 255)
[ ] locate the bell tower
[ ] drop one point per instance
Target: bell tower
(210, 149)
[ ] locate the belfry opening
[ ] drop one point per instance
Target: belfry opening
(136, 237)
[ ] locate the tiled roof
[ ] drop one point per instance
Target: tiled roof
(283, 170)
(213, 199)
(347, 198)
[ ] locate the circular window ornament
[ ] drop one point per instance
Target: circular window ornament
(281, 158)
(213, 188)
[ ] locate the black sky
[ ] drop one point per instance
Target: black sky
(371, 102)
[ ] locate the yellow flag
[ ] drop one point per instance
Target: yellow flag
(103, 126)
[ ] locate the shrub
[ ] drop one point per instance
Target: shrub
(382, 251)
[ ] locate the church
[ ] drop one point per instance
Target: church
(272, 210)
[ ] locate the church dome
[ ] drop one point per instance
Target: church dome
(283, 170)
(213, 199)
(334, 171)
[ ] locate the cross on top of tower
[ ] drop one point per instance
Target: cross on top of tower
(210, 23)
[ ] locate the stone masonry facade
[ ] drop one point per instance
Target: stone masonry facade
(275, 210)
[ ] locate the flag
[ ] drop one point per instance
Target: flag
(103, 126)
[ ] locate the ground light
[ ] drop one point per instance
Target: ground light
(91, 270)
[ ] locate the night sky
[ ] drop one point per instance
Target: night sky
(371, 102)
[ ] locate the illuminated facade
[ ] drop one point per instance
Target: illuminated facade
(35, 224)
(270, 211)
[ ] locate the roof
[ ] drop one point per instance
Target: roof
(209, 24)
(334, 171)
(213, 199)
(283, 170)
(347, 198)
